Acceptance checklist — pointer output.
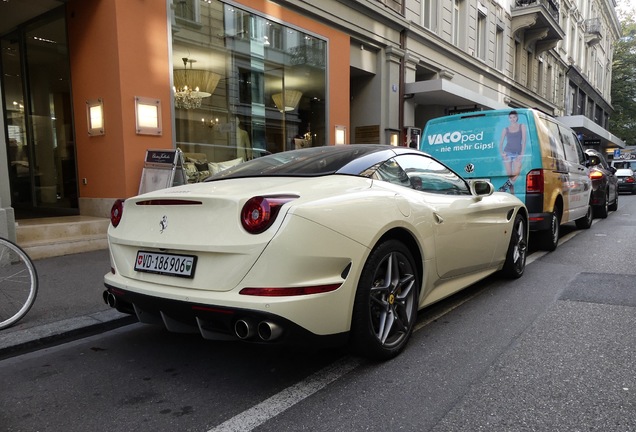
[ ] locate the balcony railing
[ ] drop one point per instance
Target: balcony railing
(550, 5)
(396, 5)
(593, 29)
(593, 26)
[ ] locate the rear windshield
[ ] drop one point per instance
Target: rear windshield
(624, 164)
(310, 162)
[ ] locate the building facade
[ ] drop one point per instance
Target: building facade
(88, 87)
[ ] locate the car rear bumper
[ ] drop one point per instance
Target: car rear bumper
(217, 322)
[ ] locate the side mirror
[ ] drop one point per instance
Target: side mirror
(481, 188)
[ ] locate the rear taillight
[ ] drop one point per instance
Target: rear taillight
(630, 179)
(596, 175)
(534, 181)
(259, 213)
(116, 212)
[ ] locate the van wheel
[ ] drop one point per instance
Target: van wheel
(586, 221)
(549, 239)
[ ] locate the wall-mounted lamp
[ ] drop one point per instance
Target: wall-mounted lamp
(148, 116)
(95, 116)
(341, 134)
(393, 136)
(211, 124)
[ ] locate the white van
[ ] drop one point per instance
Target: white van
(624, 163)
(523, 152)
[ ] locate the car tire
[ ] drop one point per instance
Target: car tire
(586, 221)
(602, 210)
(516, 256)
(386, 302)
(549, 239)
(614, 205)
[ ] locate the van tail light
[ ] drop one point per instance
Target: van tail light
(534, 182)
(116, 212)
(259, 213)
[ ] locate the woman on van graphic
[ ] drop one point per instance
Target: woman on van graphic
(514, 137)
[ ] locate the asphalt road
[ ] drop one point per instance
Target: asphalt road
(552, 351)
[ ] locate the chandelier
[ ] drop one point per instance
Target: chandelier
(287, 101)
(191, 86)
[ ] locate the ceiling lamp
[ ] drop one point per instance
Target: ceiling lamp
(291, 97)
(192, 85)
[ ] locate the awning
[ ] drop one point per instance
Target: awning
(591, 131)
(444, 92)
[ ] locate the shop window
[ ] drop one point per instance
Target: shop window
(244, 81)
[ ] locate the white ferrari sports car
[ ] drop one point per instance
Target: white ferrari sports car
(336, 244)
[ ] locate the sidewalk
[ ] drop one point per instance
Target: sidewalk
(69, 304)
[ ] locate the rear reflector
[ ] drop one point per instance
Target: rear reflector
(287, 292)
(213, 309)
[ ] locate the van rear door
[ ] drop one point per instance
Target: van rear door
(473, 146)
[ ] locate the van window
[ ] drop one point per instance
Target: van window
(573, 151)
(555, 140)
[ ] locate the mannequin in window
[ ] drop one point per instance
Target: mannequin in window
(243, 145)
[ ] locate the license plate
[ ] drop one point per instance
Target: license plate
(166, 264)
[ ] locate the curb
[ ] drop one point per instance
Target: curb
(47, 335)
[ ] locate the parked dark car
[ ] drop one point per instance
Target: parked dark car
(626, 180)
(604, 195)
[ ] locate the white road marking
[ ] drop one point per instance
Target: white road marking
(271, 407)
(280, 402)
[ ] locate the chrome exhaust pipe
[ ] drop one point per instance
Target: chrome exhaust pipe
(268, 331)
(244, 329)
(110, 299)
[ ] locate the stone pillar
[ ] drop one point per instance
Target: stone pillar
(7, 217)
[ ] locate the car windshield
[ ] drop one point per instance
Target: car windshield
(310, 162)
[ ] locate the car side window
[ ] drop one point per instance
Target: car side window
(428, 175)
(604, 163)
(390, 171)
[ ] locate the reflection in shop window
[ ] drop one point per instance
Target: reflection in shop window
(187, 9)
(270, 93)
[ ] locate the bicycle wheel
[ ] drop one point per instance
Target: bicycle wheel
(18, 283)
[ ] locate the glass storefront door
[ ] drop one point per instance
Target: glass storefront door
(38, 118)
